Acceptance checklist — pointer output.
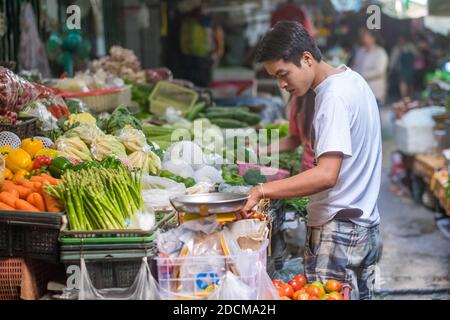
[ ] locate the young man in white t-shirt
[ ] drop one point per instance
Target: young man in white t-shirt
(343, 238)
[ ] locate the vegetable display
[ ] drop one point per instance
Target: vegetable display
(29, 195)
(98, 198)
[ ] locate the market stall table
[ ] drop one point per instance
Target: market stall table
(438, 186)
(426, 166)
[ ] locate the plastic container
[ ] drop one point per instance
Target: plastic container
(166, 94)
(25, 279)
(271, 174)
(211, 271)
(30, 235)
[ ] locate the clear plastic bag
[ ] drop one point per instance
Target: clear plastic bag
(157, 191)
(133, 140)
(15, 92)
(227, 188)
(107, 145)
(265, 290)
(144, 287)
(232, 288)
(88, 133)
(38, 109)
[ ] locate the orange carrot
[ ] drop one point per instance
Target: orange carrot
(37, 200)
(38, 188)
(50, 179)
(26, 183)
(8, 186)
(8, 199)
(5, 207)
(23, 205)
(37, 179)
(15, 193)
(51, 203)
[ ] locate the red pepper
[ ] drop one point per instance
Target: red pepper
(40, 161)
(65, 111)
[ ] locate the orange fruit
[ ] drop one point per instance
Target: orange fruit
(333, 286)
(335, 296)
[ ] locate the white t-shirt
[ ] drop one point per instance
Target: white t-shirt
(347, 121)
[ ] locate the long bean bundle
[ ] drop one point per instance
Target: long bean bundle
(98, 198)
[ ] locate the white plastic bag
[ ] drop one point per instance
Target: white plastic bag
(144, 219)
(232, 288)
(143, 288)
(157, 191)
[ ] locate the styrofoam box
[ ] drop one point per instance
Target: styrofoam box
(414, 139)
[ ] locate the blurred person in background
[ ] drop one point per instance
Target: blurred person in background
(301, 115)
(372, 62)
(403, 58)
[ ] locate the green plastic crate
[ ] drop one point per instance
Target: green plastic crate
(166, 94)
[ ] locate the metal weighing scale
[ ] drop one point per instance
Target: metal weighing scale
(224, 206)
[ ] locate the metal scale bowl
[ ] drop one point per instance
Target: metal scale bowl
(210, 204)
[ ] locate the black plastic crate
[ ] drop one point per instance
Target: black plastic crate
(30, 235)
(110, 268)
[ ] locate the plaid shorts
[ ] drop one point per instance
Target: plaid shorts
(343, 251)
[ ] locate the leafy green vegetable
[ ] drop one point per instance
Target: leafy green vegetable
(254, 177)
(77, 106)
(140, 94)
(122, 118)
(230, 175)
(291, 161)
(299, 205)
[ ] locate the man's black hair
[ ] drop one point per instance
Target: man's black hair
(288, 41)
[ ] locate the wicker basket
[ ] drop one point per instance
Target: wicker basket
(103, 100)
(27, 128)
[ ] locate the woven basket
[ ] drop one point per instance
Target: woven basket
(27, 128)
(103, 100)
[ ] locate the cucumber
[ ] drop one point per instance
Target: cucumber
(153, 131)
(196, 109)
(227, 109)
(221, 115)
(228, 123)
(250, 118)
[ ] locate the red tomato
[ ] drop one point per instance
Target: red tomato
(277, 283)
(295, 284)
(335, 296)
(314, 291)
(285, 291)
(303, 296)
(297, 294)
(301, 279)
(333, 286)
